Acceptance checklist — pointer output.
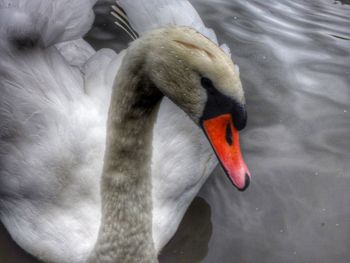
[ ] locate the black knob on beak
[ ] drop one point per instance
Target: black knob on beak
(239, 116)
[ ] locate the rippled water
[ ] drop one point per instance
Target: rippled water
(294, 58)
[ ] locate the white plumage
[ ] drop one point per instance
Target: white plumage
(147, 15)
(53, 109)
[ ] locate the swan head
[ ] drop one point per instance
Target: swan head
(202, 80)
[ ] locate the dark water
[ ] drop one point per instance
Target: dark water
(294, 59)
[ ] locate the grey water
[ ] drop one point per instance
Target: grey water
(294, 59)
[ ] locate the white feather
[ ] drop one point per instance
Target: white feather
(52, 21)
(53, 109)
(152, 14)
(148, 15)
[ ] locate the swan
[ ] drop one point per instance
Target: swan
(205, 86)
(51, 124)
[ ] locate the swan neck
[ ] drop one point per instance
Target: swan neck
(125, 233)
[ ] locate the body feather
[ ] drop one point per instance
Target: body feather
(55, 92)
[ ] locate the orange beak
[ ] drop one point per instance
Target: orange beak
(224, 138)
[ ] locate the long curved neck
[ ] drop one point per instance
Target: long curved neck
(125, 235)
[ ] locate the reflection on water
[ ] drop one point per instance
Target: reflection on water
(190, 244)
(10, 252)
(104, 33)
(294, 58)
(343, 2)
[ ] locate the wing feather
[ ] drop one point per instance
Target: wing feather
(144, 16)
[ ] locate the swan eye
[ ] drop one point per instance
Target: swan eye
(207, 84)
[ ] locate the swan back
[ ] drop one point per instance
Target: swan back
(47, 22)
(160, 13)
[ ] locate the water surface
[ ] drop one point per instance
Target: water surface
(294, 59)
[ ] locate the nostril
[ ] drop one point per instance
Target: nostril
(229, 134)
